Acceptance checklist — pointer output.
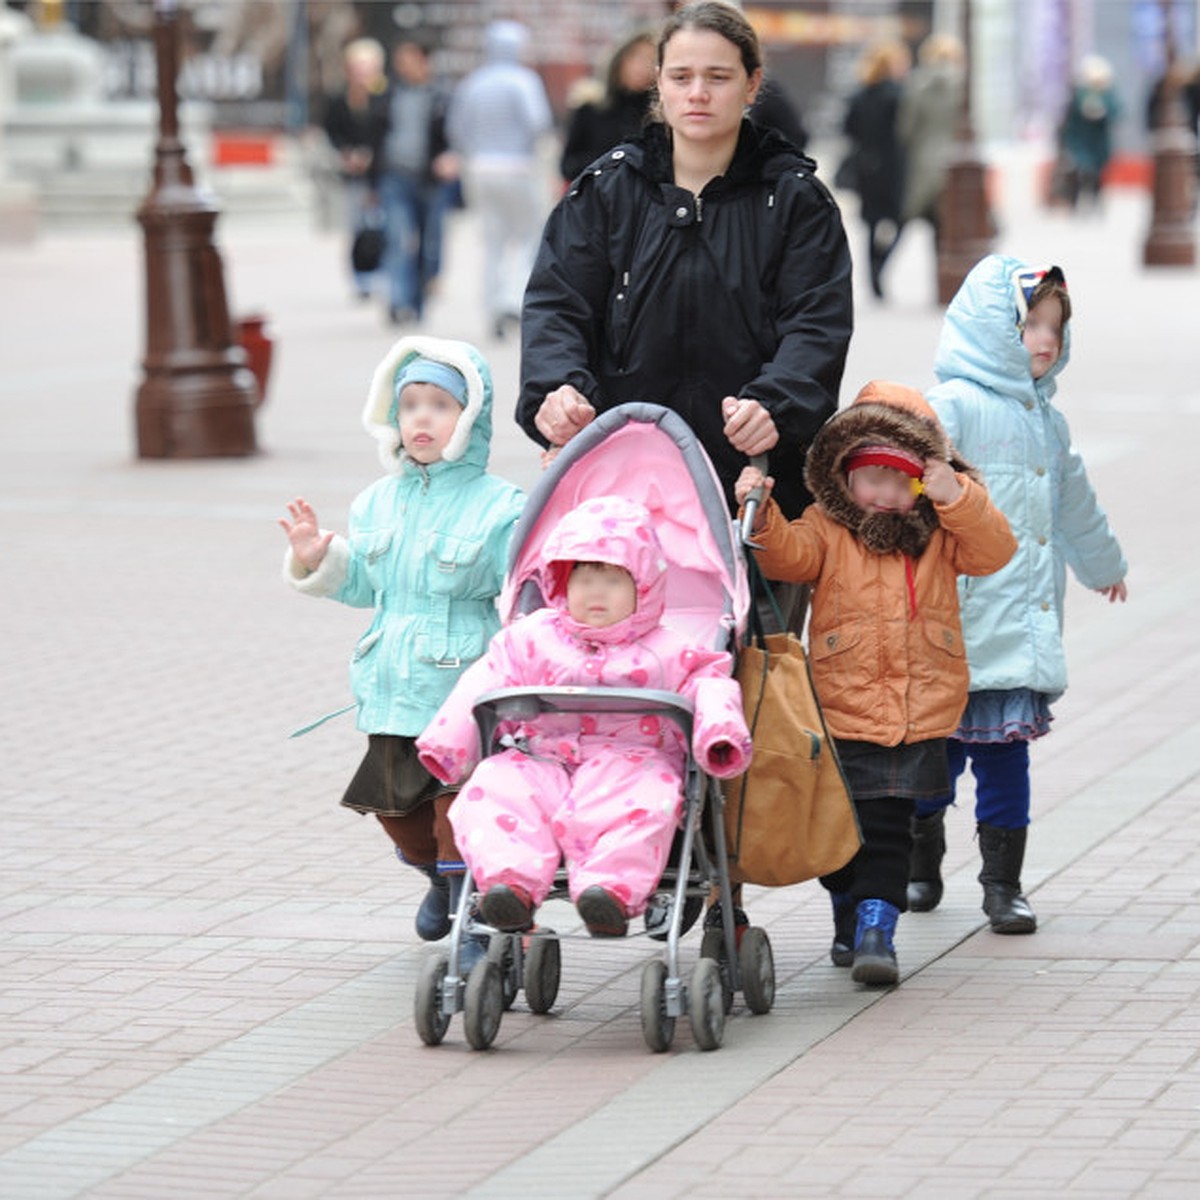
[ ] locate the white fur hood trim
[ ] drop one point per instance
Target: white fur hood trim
(381, 398)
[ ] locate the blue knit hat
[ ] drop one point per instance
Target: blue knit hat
(428, 370)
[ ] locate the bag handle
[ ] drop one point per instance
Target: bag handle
(760, 587)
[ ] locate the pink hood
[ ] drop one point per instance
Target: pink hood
(608, 529)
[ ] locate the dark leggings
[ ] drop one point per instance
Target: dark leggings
(879, 871)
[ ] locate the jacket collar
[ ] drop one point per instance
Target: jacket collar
(762, 155)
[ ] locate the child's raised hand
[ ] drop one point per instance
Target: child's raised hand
(748, 480)
(303, 531)
(939, 482)
(1118, 591)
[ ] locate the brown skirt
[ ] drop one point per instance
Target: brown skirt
(390, 779)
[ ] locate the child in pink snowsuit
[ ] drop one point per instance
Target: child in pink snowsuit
(602, 791)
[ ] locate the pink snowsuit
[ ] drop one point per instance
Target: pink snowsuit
(603, 791)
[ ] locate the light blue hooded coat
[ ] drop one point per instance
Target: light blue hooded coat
(426, 548)
(1002, 421)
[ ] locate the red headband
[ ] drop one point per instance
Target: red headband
(885, 456)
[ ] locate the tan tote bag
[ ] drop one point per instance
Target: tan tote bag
(789, 817)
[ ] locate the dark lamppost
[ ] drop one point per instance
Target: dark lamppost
(1171, 241)
(964, 221)
(197, 399)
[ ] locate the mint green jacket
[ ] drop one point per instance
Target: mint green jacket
(426, 551)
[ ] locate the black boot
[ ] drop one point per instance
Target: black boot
(845, 922)
(1003, 852)
(925, 867)
(433, 915)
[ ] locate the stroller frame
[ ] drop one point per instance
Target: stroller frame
(730, 960)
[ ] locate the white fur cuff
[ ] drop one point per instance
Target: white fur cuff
(328, 578)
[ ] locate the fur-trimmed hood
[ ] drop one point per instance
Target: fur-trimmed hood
(471, 441)
(881, 414)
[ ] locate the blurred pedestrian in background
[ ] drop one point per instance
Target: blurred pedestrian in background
(497, 115)
(354, 122)
(876, 152)
(1087, 131)
(927, 125)
(600, 121)
(411, 170)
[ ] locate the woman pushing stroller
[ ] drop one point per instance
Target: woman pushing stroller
(601, 790)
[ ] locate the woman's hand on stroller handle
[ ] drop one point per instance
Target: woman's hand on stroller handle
(564, 412)
(748, 426)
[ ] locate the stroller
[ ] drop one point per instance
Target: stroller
(648, 454)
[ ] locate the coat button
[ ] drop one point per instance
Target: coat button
(1041, 541)
(618, 154)
(1041, 471)
(681, 212)
(1045, 606)
(947, 637)
(831, 640)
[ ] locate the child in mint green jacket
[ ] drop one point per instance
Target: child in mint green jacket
(426, 551)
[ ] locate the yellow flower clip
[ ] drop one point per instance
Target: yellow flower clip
(916, 486)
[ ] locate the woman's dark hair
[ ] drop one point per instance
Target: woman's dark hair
(714, 16)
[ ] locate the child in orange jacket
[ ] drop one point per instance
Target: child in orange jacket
(898, 517)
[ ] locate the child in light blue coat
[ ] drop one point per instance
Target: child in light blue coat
(426, 551)
(1004, 342)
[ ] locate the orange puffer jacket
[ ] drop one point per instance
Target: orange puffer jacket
(885, 641)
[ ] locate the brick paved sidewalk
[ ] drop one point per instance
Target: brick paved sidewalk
(207, 967)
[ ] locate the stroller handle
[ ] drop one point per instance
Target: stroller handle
(753, 500)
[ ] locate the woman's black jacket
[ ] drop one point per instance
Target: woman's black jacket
(642, 291)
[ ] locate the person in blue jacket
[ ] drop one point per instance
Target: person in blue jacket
(1004, 342)
(427, 550)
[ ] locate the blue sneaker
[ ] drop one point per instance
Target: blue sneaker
(874, 952)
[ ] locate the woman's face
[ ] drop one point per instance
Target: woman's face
(703, 86)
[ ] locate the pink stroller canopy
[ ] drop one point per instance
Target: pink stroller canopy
(648, 454)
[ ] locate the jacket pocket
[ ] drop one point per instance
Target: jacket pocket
(451, 559)
(945, 637)
(373, 544)
(831, 642)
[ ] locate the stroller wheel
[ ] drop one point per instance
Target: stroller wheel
(706, 1005)
(756, 965)
(543, 971)
(431, 1022)
(712, 946)
(502, 952)
(483, 1005)
(657, 1028)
